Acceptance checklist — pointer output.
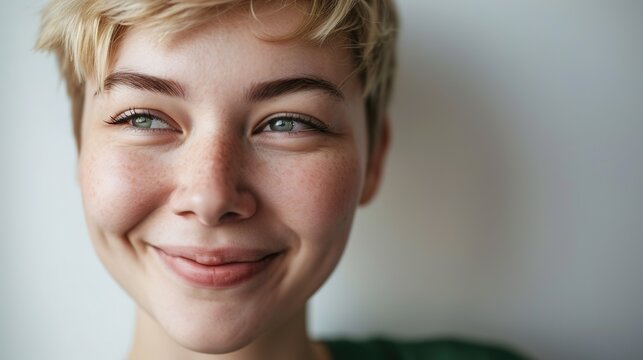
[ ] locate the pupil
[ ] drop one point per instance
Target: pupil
(143, 122)
(282, 125)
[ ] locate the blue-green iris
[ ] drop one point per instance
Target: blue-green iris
(282, 125)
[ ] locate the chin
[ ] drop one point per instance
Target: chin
(209, 337)
(206, 326)
(212, 342)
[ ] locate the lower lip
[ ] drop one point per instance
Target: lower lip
(214, 276)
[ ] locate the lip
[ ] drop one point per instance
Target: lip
(215, 268)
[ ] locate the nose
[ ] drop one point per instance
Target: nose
(210, 184)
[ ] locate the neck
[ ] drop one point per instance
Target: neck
(290, 341)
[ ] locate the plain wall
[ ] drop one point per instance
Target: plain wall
(511, 211)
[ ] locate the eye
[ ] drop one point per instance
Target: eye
(140, 120)
(281, 124)
(292, 123)
(149, 122)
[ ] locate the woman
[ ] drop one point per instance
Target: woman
(224, 147)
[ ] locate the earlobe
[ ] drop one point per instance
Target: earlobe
(376, 163)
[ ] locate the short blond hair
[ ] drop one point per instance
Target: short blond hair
(84, 34)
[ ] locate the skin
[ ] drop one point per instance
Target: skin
(212, 175)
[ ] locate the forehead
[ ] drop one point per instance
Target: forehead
(234, 49)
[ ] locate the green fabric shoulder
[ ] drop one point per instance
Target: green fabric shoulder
(437, 349)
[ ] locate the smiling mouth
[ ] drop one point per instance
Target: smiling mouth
(215, 269)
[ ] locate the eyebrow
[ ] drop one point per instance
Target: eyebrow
(143, 82)
(274, 88)
(257, 92)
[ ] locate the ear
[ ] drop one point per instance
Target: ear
(375, 166)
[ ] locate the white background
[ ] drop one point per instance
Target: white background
(512, 209)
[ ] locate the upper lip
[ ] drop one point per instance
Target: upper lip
(218, 256)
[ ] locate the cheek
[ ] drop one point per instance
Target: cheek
(119, 188)
(318, 196)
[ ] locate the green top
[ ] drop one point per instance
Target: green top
(438, 349)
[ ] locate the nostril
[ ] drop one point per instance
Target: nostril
(229, 216)
(212, 205)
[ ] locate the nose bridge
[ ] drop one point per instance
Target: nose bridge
(209, 180)
(213, 162)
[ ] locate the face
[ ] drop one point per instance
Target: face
(220, 174)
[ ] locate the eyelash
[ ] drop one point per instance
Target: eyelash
(132, 113)
(308, 121)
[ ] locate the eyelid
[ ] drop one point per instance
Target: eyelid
(127, 115)
(305, 119)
